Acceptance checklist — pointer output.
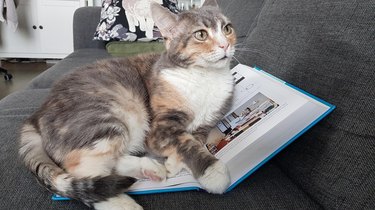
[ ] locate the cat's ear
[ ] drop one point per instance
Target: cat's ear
(164, 19)
(211, 3)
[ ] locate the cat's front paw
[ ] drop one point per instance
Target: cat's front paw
(173, 166)
(153, 170)
(216, 178)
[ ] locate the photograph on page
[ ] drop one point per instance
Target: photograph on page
(241, 119)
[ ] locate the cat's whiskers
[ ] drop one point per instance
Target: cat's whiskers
(236, 59)
(244, 49)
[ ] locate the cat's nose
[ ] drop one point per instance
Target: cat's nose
(224, 46)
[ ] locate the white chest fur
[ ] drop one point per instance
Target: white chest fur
(204, 90)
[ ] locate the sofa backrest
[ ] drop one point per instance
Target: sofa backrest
(243, 15)
(85, 21)
(328, 49)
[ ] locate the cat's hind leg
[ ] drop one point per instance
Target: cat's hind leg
(98, 163)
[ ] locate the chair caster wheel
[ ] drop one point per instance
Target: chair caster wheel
(8, 77)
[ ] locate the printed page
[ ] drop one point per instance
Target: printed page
(184, 177)
(265, 116)
(260, 103)
(266, 146)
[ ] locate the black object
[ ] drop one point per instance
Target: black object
(7, 76)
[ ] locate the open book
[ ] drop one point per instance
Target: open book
(266, 116)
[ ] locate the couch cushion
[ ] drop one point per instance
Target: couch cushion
(22, 102)
(19, 189)
(267, 188)
(85, 21)
(76, 59)
(327, 49)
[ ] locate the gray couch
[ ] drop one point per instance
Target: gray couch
(324, 47)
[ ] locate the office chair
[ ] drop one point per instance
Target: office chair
(7, 76)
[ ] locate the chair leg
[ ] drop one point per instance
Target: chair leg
(7, 76)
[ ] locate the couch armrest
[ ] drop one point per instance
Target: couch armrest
(85, 21)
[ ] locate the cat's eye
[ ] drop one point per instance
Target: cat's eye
(228, 29)
(201, 35)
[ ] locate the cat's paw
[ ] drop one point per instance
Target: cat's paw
(173, 166)
(153, 170)
(216, 178)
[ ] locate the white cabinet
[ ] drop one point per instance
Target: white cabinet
(25, 39)
(45, 30)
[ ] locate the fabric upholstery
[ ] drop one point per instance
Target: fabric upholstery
(327, 49)
(74, 60)
(243, 15)
(268, 188)
(87, 19)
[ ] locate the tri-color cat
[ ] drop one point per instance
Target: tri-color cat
(85, 140)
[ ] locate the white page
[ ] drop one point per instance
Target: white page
(146, 184)
(261, 149)
(294, 112)
(262, 88)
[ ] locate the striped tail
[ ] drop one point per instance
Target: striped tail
(88, 190)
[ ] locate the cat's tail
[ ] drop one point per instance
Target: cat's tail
(88, 190)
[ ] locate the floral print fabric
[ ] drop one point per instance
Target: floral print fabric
(129, 20)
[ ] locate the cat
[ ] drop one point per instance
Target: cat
(87, 139)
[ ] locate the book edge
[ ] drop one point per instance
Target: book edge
(141, 192)
(294, 87)
(180, 189)
(331, 108)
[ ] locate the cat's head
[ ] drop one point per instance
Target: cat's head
(200, 37)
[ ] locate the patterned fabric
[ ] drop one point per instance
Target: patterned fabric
(129, 20)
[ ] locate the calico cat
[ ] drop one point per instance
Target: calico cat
(85, 140)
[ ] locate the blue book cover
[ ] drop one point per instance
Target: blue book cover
(267, 115)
